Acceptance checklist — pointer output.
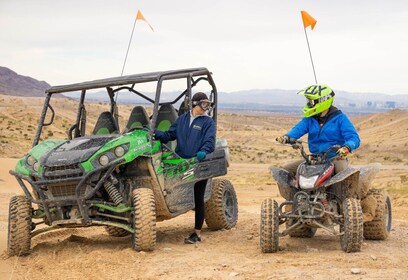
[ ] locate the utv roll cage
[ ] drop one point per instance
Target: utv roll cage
(192, 75)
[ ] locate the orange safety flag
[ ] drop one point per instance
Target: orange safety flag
(308, 20)
(141, 17)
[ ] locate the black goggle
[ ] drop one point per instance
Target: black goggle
(311, 103)
(204, 104)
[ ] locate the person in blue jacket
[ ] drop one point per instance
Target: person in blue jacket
(195, 135)
(325, 125)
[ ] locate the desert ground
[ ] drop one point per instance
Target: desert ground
(90, 253)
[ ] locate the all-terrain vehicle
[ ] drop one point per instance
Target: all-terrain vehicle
(318, 198)
(123, 180)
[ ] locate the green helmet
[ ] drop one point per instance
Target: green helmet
(319, 99)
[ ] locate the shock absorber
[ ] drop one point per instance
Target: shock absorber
(113, 192)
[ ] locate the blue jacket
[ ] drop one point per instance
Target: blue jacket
(200, 136)
(337, 130)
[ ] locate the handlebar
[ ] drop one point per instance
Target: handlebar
(317, 158)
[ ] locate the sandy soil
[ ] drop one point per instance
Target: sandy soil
(90, 253)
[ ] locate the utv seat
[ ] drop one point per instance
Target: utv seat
(105, 124)
(166, 116)
(183, 108)
(138, 118)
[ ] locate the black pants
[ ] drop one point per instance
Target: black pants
(199, 190)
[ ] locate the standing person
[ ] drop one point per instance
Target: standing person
(195, 135)
(325, 125)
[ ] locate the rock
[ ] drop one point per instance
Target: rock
(355, 270)
(250, 237)
(167, 249)
(224, 265)
(373, 257)
(233, 274)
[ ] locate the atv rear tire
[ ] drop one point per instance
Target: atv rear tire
(352, 229)
(379, 228)
(221, 210)
(116, 232)
(144, 220)
(269, 229)
(19, 226)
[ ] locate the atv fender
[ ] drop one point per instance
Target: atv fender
(367, 175)
(348, 186)
(285, 181)
(343, 175)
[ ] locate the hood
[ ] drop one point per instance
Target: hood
(75, 150)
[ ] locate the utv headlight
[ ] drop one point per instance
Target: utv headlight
(35, 166)
(103, 160)
(119, 151)
(30, 161)
(307, 183)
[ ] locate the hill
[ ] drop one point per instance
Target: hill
(14, 84)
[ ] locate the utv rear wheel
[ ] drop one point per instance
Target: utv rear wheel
(379, 228)
(269, 230)
(144, 220)
(116, 232)
(221, 210)
(352, 228)
(19, 226)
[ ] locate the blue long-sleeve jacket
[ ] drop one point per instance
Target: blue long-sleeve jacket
(200, 136)
(337, 130)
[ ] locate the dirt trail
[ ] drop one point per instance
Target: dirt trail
(89, 253)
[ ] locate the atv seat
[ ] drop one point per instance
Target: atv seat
(138, 118)
(183, 108)
(166, 116)
(105, 124)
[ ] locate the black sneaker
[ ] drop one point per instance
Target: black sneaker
(192, 239)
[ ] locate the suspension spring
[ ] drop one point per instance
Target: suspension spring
(113, 192)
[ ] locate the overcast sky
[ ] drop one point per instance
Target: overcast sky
(357, 46)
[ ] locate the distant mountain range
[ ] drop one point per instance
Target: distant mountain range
(12, 83)
(275, 100)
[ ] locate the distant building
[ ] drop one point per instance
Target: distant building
(390, 104)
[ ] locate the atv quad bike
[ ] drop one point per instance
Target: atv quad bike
(125, 181)
(318, 198)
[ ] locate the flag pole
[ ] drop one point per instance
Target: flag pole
(310, 54)
(130, 41)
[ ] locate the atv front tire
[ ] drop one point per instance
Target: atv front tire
(221, 210)
(19, 226)
(144, 220)
(379, 228)
(352, 228)
(269, 230)
(116, 232)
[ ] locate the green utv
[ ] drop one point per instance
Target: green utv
(124, 180)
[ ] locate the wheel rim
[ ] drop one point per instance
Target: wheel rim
(228, 205)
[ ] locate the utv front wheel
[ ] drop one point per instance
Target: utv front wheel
(352, 228)
(19, 226)
(221, 210)
(144, 220)
(269, 230)
(379, 228)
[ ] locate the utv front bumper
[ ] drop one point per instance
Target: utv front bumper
(67, 192)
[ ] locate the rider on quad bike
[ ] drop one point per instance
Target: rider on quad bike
(326, 126)
(321, 190)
